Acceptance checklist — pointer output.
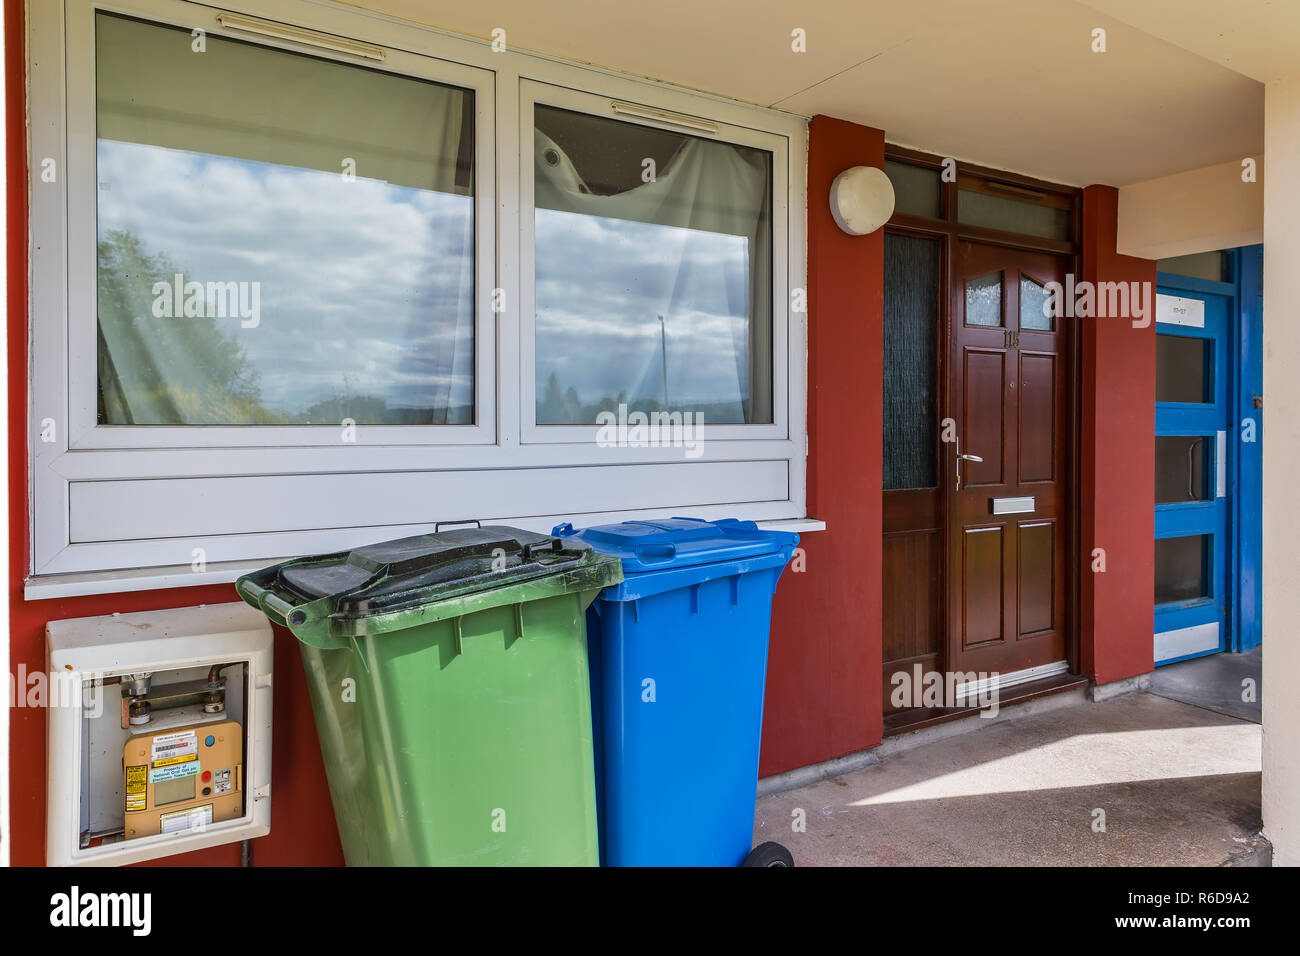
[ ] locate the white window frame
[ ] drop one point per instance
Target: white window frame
(84, 431)
(124, 508)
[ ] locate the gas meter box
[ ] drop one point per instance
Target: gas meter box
(182, 779)
(159, 733)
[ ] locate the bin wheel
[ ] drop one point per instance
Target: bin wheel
(769, 854)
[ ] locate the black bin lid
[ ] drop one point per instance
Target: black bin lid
(421, 569)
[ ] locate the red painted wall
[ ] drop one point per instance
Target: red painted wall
(1117, 462)
(823, 677)
(305, 836)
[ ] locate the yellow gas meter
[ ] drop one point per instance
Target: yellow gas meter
(183, 779)
(182, 763)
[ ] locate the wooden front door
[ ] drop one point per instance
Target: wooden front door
(1007, 401)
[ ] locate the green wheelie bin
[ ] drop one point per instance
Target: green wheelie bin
(448, 677)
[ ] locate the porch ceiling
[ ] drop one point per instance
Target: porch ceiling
(1007, 83)
(1254, 37)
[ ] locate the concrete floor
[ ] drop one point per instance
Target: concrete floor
(1178, 785)
(1216, 682)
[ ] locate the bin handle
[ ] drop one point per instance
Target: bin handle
(271, 604)
(265, 601)
(437, 525)
(289, 612)
(650, 553)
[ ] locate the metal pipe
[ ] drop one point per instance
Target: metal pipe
(214, 673)
(663, 352)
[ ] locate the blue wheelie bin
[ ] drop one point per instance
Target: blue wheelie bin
(678, 658)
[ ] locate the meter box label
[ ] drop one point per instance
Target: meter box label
(174, 748)
(174, 772)
(186, 819)
(223, 781)
(137, 779)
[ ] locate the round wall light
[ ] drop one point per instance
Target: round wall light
(862, 200)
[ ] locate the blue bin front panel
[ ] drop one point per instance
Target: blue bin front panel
(679, 711)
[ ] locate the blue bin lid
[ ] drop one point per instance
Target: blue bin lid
(679, 542)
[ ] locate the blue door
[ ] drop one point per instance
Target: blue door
(1193, 451)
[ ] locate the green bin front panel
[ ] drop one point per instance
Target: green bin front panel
(462, 749)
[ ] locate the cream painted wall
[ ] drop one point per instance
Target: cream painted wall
(1281, 704)
(1197, 211)
(982, 82)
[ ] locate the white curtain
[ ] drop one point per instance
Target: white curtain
(257, 103)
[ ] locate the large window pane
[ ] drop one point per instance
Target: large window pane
(653, 278)
(282, 239)
(911, 320)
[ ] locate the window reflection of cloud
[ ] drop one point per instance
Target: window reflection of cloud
(361, 282)
(599, 290)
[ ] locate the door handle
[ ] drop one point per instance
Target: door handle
(1220, 463)
(961, 458)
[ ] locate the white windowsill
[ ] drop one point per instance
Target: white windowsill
(797, 525)
(44, 587)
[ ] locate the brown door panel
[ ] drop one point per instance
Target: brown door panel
(912, 571)
(981, 420)
(1036, 545)
(983, 562)
(1038, 401)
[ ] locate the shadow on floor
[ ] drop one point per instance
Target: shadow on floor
(1173, 784)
